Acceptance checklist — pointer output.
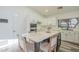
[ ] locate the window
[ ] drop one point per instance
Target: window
(68, 24)
(73, 22)
(63, 24)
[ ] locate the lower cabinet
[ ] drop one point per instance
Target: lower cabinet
(72, 36)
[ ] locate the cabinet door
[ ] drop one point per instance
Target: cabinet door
(64, 36)
(72, 36)
(67, 35)
(76, 36)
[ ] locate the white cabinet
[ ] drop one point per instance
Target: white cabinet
(64, 35)
(72, 36)
(76, 37)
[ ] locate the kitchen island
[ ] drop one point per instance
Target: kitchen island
(38, 37)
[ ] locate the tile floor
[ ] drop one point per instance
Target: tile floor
(11, 46)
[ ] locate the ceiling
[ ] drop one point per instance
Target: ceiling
(53, 10)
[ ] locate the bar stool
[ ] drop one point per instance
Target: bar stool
(51, 46)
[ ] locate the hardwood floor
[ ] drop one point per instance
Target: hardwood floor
(13, 46)
(68, 47)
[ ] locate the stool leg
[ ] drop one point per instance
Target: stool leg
(36, 47)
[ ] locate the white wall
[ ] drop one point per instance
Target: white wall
(6, 29)
(30, 16)
(71, 14)
(19, 19)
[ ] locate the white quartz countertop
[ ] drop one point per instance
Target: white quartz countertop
(40, 36)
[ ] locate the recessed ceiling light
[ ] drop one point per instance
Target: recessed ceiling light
(46, 10)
